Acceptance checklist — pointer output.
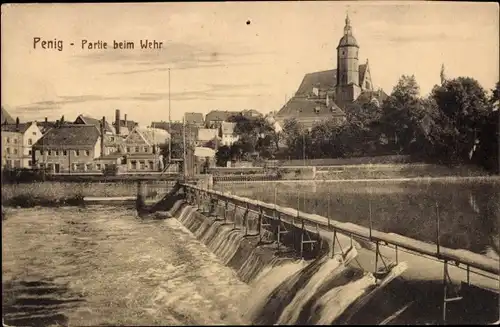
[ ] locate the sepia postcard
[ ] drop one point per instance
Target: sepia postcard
(250, 163)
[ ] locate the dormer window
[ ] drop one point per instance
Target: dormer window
(316, 110)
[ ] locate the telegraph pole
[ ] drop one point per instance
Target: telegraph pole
(184, 146)
(169, 122)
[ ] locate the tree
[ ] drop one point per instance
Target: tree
(254, 135)
(464, 107)
(223, 155)
(403, 113)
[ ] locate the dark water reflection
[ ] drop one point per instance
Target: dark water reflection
(468, 211)
(104, 266)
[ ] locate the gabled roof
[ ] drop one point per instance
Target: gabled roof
(6, 117)
(70, 136)
(228, 128)
(367, 96)
(46, 125)
(96, 122)
(194, 118)
(219, 115)
(324, 80)
(153, 136)
(21, 128)
(298, 107)
(207, 134)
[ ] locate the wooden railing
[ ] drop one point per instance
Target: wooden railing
(298, 219)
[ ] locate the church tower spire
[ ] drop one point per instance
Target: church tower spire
(348, 87)
(442, 75)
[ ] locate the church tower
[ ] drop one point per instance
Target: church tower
(347, 88)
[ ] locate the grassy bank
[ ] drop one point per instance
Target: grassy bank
(70, 193)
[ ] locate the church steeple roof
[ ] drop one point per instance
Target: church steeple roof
(348, 39)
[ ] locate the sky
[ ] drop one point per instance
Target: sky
(227, 55)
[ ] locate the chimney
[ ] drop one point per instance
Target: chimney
(117, 121)
(125, 117)
(103, 123)
(46, 120)
(17, 123)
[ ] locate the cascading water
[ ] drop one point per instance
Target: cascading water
(325, 290)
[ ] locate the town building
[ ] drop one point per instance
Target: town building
(86, 120)
(207, 135)
(141, 150)
(194, 118)
(45, 125)
(328, 94)
(215, 117)
(227, 133)
(68, 148)
(17, 143)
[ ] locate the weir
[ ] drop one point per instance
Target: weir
(217, 218)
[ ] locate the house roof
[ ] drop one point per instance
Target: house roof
(251, 113)
(193, 118)
(298, 107)
(45, 125)
(154, 136)
(367, 96)
(324, 80)
(219, 115)
(228, 128)
(69, 136)
(207, 134)
(14, 128)
(6, 117)
(96, 122)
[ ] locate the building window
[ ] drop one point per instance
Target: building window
(29, 152)
(8, 150)
(98, 166)
(8, 140)
(34, 133)
(49, 152)
(89, 166)
(41, 152)
(137, 149)
(146, 149)
(30, 142)
(112, 138)
(77, 153)
(143, 165)
(30, 163)
(128, 149)
(15, 151)
(15, 141)
(57, 152)
(87, 153)
(65, 153)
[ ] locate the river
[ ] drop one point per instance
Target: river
(104, 266)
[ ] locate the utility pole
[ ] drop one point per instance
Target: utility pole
(184, 146)
(169, 122)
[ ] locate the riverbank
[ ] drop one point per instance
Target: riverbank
(52, 194)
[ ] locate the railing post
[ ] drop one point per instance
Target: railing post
(437, 228)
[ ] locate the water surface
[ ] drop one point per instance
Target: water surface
(104, 266)
(468, 211)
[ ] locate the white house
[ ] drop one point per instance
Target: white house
(29, 134)
(228, 134)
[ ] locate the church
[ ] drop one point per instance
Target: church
(328, 94)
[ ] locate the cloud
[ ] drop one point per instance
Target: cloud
(174, 55)
(211, 92)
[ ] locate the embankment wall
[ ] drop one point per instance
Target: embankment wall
(70, 193)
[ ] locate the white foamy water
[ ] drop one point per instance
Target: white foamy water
(106, 266)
